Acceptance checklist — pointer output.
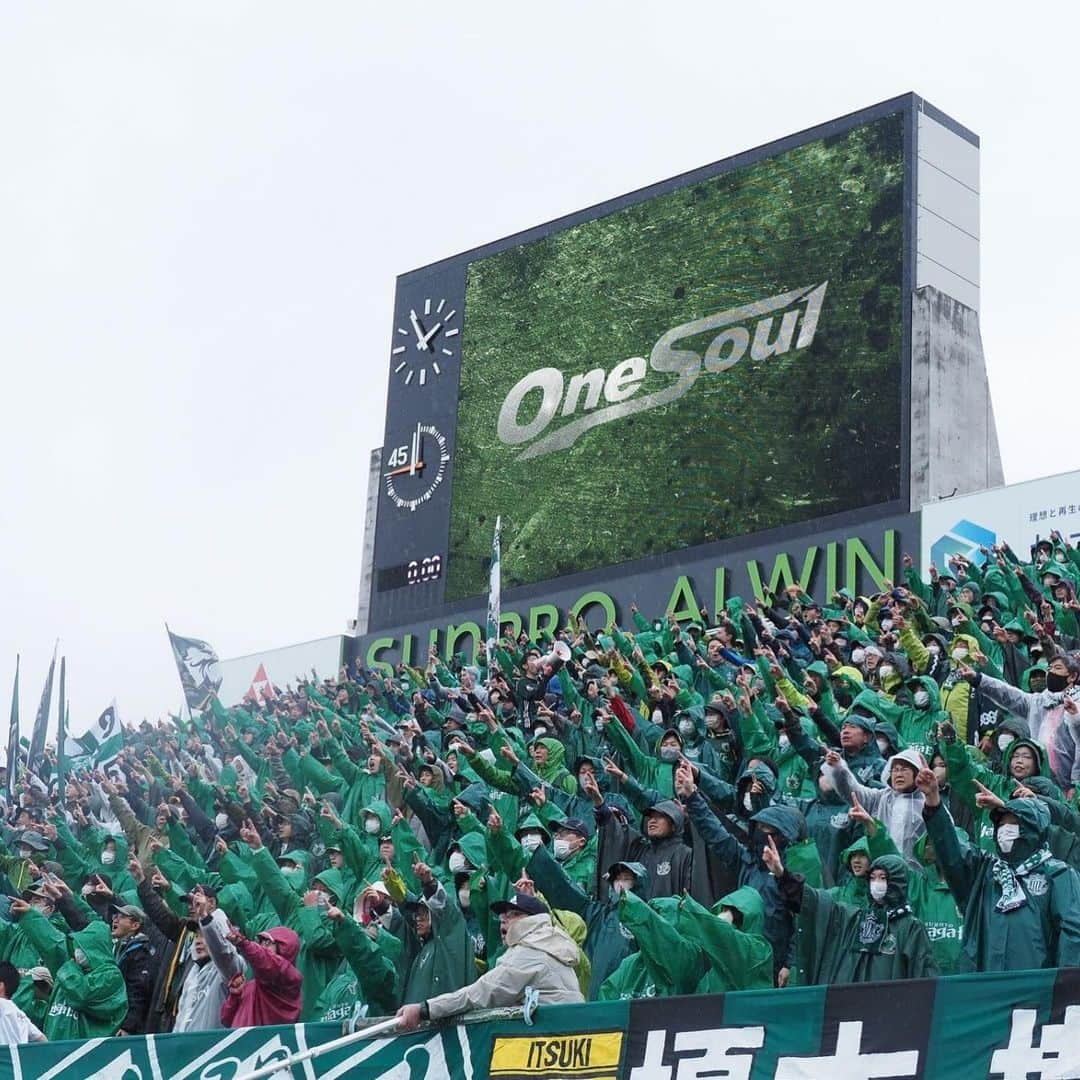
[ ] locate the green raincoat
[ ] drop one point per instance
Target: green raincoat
(841, 943)
(86, 1002)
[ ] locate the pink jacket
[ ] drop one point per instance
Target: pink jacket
(273, 995)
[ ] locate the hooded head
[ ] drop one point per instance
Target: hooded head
(784, 823)
(632, 875)
(1033, 819)
(664, 819)
(96, 943)
(1024, 759)
(747, 801)
(669, 746)
(748, 905)
(286, 940)
(859, 851)
(896, 879)
(901, 769)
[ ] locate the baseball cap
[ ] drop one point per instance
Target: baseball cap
(207, 890)
(527, 905)
(130, 910)
(574, 825)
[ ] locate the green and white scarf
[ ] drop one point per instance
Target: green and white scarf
(1005, 877)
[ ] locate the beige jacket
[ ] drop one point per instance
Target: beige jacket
(538, 955)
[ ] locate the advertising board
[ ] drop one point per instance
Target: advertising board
(1016, 514)
(821, 557)
(1021, 1025)
(258, 673)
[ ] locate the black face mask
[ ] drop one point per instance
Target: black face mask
(1056, 683)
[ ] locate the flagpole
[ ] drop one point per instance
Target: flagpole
(494, 613)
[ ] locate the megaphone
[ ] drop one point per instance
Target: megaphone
(556, 659)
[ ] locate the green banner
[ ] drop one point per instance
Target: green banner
(1016, 1026)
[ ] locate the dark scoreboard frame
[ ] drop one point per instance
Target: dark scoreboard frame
(408, 539)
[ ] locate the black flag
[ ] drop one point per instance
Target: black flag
(197, 664)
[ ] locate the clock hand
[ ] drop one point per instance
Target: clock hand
(431, 333)
(420, 342)
(418, 467)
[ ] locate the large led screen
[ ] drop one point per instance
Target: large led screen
(718, 360)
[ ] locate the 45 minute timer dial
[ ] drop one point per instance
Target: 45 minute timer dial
(424, 342)
(417, 468)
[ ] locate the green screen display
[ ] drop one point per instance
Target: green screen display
(714, 361)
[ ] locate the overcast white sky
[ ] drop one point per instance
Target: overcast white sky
(203, 207)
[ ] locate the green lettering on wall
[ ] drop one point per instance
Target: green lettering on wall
(719, 592)
(832, 581)
(377, 646)
(455, 633)
(858, 554)
(407, 649)
(683, 604)
(588, 600)
(543, 619)
(782, 574)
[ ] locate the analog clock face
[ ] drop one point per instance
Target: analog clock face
(425, 341)
(417, 468)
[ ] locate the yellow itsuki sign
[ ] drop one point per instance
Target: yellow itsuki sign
(594, 1056)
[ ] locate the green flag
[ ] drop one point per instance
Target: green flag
(13, 739)
(61, 729)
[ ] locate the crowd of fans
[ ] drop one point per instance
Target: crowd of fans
(796, 792)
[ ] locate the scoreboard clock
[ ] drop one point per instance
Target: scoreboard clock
(417, 468)
(424, 342)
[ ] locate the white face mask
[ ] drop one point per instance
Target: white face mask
(783, 741)
(80, 957)
(618, 887)
(1005, 739)
(858, 656)
(883, 746)
(922, 698)
(933, 648)
(531, 841)
(886, 625)
(371, 825)
(221, 821)
(560, 847)
(108, 858)
(878, 889)
(958, 620)
(457, 862)
(748, 802)
(727, 915)
(600, 723)
(1007, 835)
(885, 670)
(87, 890)
(539, 732)
(959, 652)
(686, 727)
(463, 896)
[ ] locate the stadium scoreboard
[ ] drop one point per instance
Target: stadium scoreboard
(721, 355)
